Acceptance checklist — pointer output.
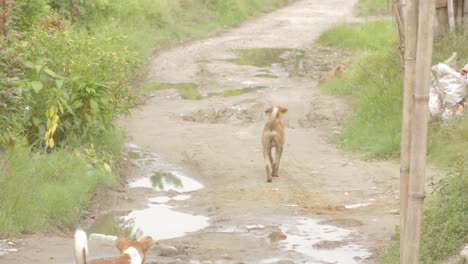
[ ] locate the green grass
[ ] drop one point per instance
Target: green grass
(186, 90)
(39, 190)
(444, 229)
(360, 36)
(259, 57)
(189, 91)
(373, 85)
(372, 7)
(236, 92)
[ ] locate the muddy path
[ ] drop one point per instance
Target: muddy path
(327, 206)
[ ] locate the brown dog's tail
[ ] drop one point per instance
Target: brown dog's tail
(81, 246)
(273, 114)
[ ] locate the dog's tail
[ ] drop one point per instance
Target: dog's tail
(81, 246)
(273, 114)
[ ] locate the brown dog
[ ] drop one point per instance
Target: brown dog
(338, 70)
(273, 137)
(132, 252)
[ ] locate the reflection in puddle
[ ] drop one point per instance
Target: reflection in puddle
(169, 181)
(113, 224)
(165, 199)
(159, 175)
(161, 222)
(158, 220)
(190, 91)
(290, 59)
(307, 232)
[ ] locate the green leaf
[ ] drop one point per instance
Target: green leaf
(36, 86)
(29, 64)
(70, 110)
(38, 68)
(77, 104)
(59, 83)
(51, 73)
(93, 105)
(36, 121)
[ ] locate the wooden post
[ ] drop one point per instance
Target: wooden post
(451, 14)
(459, 12)
(411, 30)
(465, 11)
(416, 193)
(399, 12)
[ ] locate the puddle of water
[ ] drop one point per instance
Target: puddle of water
(181, 197)
(187, 91)
(160, 199)
(159, 175)
(236, 92)
(112, 224)
(260, 57)
(159, 221)
(165, 199)
(266, 75)
(291, 59)
(190, 91)
(307, 232)
(168, 181)
(352, 206)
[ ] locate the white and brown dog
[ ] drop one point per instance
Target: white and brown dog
(132, 251)
(273, 137)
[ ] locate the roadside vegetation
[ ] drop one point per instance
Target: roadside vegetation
(373, 7)
(64, 71)
(373, 85)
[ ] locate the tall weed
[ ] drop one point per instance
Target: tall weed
(38, 190)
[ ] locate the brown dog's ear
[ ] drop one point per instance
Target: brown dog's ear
(283, 109)
(268, 110)
(146, 243)
(121, 243)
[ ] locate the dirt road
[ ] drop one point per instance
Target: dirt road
(332, 206)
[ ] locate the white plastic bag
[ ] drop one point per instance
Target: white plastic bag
(449, 84)
(436, 101)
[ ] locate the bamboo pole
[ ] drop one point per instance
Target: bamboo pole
(416, 190)
(398, 10)
(451, 14)
(401, 10)
(410, 29)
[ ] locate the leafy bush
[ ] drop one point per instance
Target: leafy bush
(28, 12)
(66, 77)
(373, 7)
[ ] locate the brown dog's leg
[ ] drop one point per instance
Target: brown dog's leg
(267, 152)
(279, 151)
